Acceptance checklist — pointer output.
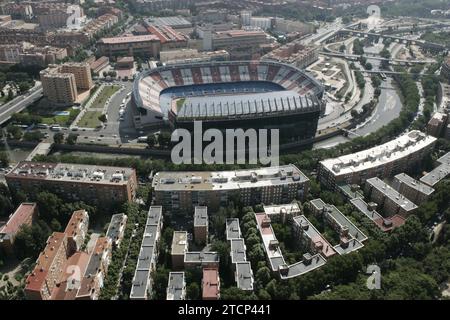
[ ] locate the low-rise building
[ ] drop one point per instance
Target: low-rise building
(182, 191)
(388, 198)
(210, 284)
(116, 229)
(176, 287)
(386, 160)
(142, 284)
(201, 225)
(412, 189)
(24, 215)
(98, 65)
(88, 183)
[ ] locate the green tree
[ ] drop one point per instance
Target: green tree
(72, 138)
(151, 140)
(58, 138)
(193, 291)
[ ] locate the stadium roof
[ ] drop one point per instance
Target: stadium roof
(250, 105)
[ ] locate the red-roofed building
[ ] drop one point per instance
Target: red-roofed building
(48, 270)
(170, 39)
(25, 214)
(210, 284)
(147, 45)
(76, 230)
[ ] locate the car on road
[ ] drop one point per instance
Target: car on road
(55, 128)
(42, 126)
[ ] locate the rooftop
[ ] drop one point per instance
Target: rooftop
(201, 216)
(340, 219)
(438, 173)
(307, 264)
(210, 283)
(69, 172)
(37, 277)
(289, 208)
(24, 212)
(201, 257)
(398, 148)
(413, 183)
(228, 180)
(232, 228)
(176, 286)
(147, 254)
(385, 224)
(320, 243)
(248, 105)
(237, 251)
(116, 226)
(130, 39)
(244, 276)
(179, 242)
(270, 242)
(391, 193)
(78, 218)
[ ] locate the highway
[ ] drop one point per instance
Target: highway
(19, 103)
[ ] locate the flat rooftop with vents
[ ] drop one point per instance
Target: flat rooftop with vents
(176, 287)
(391, 151)
(228, 180)
(70, 172)
(232, 229)
(392, 194)
(141, 285)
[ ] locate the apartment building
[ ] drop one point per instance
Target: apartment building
(10, 53)
(275, 257)
(76, 230)
(211, 284)
(88, 183)
(438, 173)
(176, 286)
(59, 88)
(369, 210)
(57, 262)
(201, 225)
(412, 189)
(437, 124)
(243, 272)
(386, 160)
(116, 229)
(182, 191)
(82, 73)
(145, 45)
(62, 83)
(24, 215)
(148, 256)
(350, 237)
(388, 198)
(178, 249)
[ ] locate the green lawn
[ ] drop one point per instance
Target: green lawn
(90, 119)
(107, 92)
(62, 120)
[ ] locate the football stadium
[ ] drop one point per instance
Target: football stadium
(230, 94)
